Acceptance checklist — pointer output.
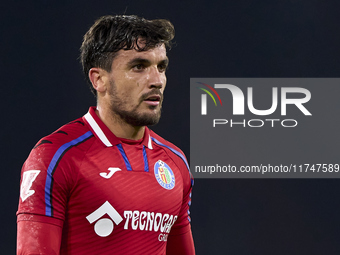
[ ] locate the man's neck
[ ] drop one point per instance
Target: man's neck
(119, 127)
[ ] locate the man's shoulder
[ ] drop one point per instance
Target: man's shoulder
(173, 151)
(61, 140)
(65, 134)
(163, 142)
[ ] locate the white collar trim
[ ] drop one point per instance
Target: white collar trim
(150, 143)
(97, 129)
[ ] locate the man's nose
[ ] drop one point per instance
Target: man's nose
(156, 78)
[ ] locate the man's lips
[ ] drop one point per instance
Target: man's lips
(153, 100)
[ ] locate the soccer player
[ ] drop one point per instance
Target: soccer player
(105, 183)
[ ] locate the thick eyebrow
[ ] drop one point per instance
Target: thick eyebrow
(146, 62)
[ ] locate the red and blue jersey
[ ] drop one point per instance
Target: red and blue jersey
(110, 195)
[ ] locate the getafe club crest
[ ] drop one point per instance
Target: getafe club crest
(164, 175)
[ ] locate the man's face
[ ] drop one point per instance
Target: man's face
(137, 82)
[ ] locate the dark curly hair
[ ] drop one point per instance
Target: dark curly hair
(109, 34)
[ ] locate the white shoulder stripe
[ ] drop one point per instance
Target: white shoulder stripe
(97, 129)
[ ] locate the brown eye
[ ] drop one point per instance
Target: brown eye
(162, 68)
(138, 67)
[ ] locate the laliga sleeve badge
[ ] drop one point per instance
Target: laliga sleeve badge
(164, 175)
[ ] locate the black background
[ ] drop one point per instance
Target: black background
(43, 88)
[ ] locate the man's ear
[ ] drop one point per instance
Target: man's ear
(98, 78)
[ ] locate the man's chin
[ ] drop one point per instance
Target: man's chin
(150, 120)
(145, 119)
